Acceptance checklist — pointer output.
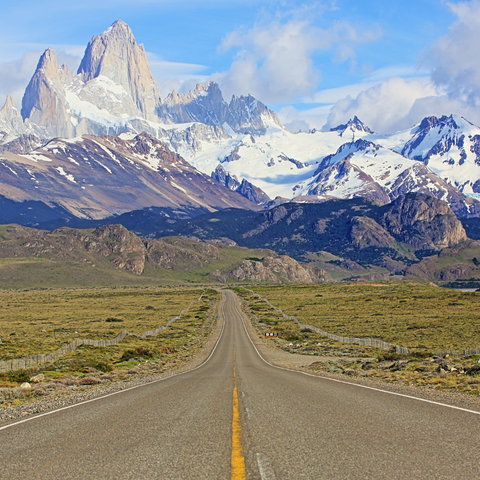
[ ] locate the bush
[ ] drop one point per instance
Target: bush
(103, 366)
(19, 376)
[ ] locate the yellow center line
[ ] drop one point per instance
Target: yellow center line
(238, 461)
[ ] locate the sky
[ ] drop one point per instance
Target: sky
(317, 64)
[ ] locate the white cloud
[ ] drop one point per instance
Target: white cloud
(274, 61)
(454, 83)
(170, 76)
(386, 107)
(304, 120)
(454, 57)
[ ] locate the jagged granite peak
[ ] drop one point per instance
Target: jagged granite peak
(205, 104)
(248, 115)
(354, 125)
(116, 55)
(44, 101)
(252, 193)
(221, 176)
(10, 118)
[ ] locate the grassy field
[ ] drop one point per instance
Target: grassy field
(41, 321)
(430, 320)
(407, 314)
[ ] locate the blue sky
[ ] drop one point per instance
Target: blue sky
(315, 63)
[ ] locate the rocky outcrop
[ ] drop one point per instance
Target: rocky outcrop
(423, 222)
(224, 178)
(272, 269)
(110, 244)
(116, 55)
(366, 232)
(44, 102)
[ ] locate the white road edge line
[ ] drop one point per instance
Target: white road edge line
(266, 471)
(349, 383)
(121, 391)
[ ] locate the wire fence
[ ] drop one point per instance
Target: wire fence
(373, 342)
(39, 359)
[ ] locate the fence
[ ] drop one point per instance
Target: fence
(39, 359)
(373, 342)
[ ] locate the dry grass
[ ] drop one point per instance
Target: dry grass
(408, 314)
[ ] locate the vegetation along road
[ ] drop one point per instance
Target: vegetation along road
(236, 416)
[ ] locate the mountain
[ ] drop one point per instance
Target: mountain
(96, 177)
(114, 93)
(364, 169)
(365, 232)
(450, 146)
(111, 254)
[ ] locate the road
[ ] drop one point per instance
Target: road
(282, 425)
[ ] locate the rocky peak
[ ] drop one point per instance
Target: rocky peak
(246, 114)
(44, 101)
(9, 104)
(10, 116)
(116, 55)
(353, 125)
(224, 178)
(453, 121)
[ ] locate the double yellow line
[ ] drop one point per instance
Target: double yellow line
(238, 461)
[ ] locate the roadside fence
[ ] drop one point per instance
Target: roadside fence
(373, 342)
(39, 359)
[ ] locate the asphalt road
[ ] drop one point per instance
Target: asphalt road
(293, 426)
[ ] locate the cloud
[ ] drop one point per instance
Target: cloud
(454, 87)
(304, 120)
(454, 57)
(274, 62)
(386, 107)
(15, 75)
(170, 76)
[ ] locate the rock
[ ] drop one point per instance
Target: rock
(25, 386)
(116, 56)
(37, 378)
(272, 268)
(423, 222)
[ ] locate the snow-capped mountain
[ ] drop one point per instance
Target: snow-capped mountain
(364, 169)
(96, 177)
(450, 146)
(114, 93)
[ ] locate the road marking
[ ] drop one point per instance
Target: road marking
(121, 391)
(350, 383)
(238, 461)
(266, 470)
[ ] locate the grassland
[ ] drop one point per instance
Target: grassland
(408, 314)
(42, 321)
(432, 321)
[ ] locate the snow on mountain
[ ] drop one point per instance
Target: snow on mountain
(114, 93)
(450, 146)
(364, 169)
(98, 176)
